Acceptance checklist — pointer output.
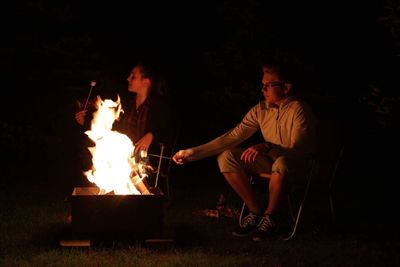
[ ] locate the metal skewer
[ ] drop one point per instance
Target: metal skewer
(158, 156)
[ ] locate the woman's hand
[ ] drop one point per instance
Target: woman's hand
(80, 116)
(144, 143)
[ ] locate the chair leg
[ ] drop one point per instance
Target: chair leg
(167, 185)
(241, 214)
(291, 208)
(159, 165)
(296, 224)
(331, 184)
(333, 217)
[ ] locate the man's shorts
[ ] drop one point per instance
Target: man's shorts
(229, 161)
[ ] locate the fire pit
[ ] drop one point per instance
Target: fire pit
(139, 215)
(120, 202)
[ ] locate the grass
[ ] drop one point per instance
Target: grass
(33, 219)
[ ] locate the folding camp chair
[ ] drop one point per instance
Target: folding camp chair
(160, 171)
(164, 163)
(322, 171)
(315, 179)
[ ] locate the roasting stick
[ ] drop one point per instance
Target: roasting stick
(92, 84)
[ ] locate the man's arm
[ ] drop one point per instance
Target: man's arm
(246, 128)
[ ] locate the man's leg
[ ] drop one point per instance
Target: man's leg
(240, 182)
(268, 224)
(276, 191)
(235, 172)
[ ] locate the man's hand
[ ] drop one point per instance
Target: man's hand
(250, 154)
(182, 156)
(80, 116)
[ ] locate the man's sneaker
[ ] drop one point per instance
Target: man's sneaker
(265, 228)
(248, 225)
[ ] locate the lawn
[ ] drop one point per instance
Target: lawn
(34, 210)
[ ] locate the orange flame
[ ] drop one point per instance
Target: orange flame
(114, 167)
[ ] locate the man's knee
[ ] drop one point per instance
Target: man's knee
(281, 166)
(229, 160)
(225, 157)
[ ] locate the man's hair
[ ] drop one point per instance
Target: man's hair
(290, 67)
(279, 67)
(285, 63)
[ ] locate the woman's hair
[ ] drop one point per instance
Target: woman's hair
(158, 82)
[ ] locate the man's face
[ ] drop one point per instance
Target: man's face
(274, 90)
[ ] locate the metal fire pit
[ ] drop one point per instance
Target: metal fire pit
(140, 215)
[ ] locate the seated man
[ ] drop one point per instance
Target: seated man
(288, 128)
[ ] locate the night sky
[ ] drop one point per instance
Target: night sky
(71, 36)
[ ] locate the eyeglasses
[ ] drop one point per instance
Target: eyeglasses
(271, 85)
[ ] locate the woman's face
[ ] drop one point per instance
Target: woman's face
(136, 81)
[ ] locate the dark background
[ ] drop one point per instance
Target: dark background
(347, 55)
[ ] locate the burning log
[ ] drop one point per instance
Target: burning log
(140, 185)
